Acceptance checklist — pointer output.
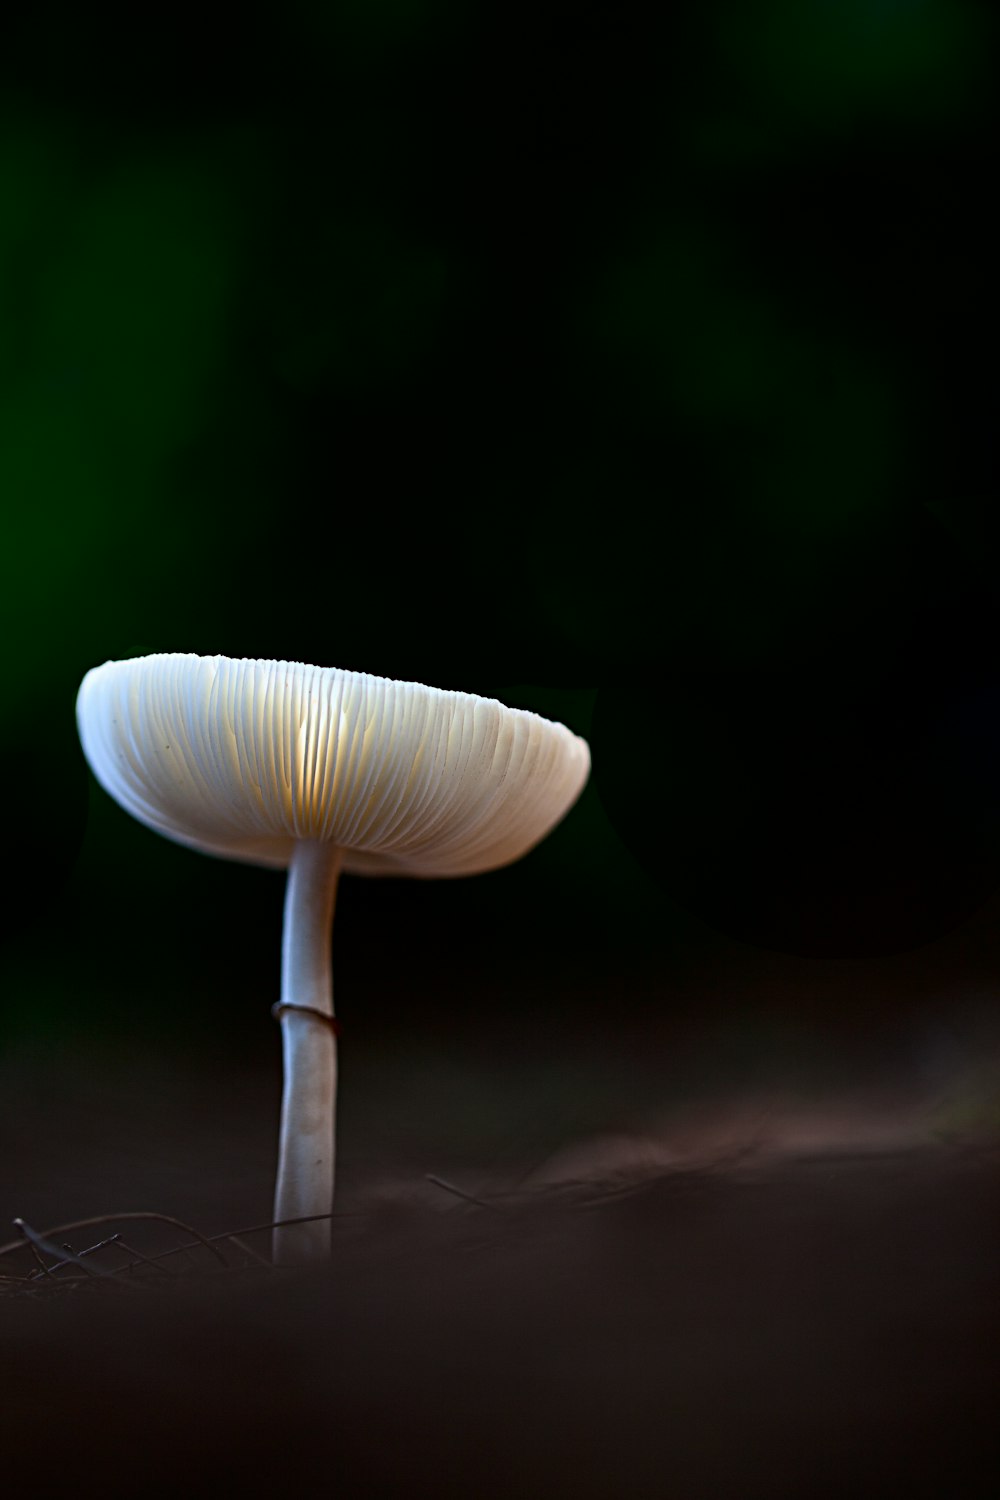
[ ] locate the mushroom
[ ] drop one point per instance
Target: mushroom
(321, 771)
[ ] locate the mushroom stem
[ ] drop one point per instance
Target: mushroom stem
(306, 1147)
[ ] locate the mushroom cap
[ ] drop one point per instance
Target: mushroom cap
(244, 758)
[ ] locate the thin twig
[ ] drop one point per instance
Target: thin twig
(62, 1264)
(43, 1269)
(250, 1229)
(139, 1257)
(40, 1242)
(241, 1244)
(450, 1187)
(125, 1217)
(66, 1257)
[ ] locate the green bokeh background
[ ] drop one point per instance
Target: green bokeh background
(490, 352)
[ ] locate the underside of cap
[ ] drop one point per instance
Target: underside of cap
(244, 758)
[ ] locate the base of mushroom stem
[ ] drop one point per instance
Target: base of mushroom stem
(307, 1137)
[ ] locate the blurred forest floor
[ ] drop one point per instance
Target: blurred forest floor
(736, 1287)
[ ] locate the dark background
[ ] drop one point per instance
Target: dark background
(635, 372)
(638, 372)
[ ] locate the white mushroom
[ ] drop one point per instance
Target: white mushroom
(322, 771)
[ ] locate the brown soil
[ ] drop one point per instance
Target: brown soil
(809, 1310)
